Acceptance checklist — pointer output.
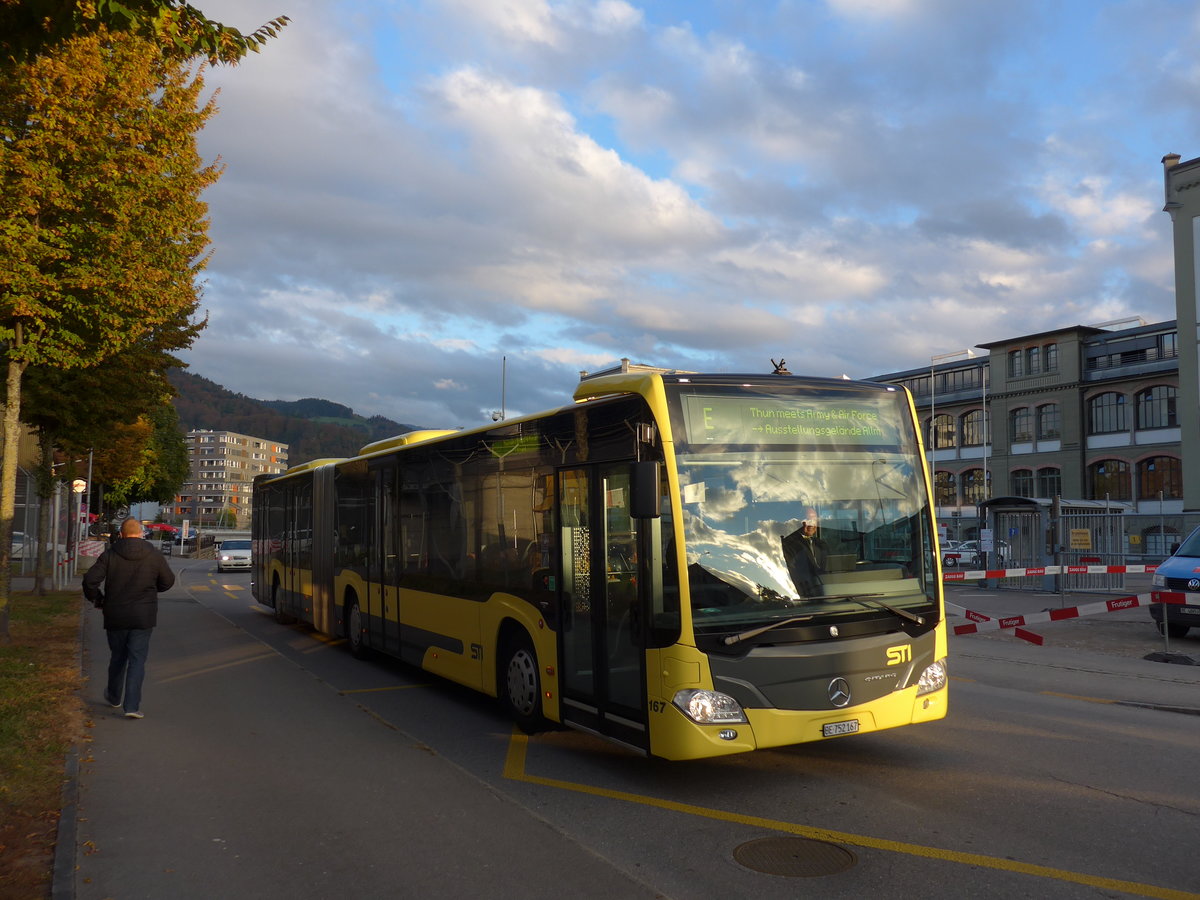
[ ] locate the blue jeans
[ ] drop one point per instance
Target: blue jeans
(127, 664)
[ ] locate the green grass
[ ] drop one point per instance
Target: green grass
(40, 718)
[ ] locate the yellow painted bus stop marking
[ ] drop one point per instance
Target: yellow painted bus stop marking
(514, 770)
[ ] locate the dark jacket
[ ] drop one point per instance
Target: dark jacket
(133, 574)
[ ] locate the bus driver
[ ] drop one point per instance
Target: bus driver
(806, 555)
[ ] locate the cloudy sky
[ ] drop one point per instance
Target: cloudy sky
(417, 190)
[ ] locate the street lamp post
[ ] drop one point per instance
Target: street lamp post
(983, 375)
(933, 361)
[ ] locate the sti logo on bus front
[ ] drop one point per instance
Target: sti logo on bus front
(899, 655)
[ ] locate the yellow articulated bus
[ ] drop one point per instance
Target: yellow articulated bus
(689, 565)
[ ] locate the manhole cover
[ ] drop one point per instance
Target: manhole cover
(794, 856)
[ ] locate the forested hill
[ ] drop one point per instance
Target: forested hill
(312, 428)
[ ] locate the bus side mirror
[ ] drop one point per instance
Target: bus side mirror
(645, 490)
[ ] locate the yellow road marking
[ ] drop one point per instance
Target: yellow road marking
(1077, 697)
(208, 669)
(514, 769)
(393, 687)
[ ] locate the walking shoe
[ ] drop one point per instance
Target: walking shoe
(134, 714)
(108, 698)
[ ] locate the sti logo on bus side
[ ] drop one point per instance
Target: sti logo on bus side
(899, 655)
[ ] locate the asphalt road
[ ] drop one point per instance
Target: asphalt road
(272, 764)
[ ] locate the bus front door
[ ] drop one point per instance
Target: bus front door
(602, 662)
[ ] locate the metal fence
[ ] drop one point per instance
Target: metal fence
(1024, 539)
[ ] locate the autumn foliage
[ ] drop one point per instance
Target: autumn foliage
(102, 229)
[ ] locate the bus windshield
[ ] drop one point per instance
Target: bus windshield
(804, 506)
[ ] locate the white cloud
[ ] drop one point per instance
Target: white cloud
(417, 189)
(528, 149)
(1097, 207)
(520, 20)
(874, 10)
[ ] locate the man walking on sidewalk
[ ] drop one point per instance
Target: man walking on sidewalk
(133, 574)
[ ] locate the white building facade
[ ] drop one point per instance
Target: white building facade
(220, 485)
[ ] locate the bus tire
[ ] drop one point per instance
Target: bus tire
(521, 684)
(280, 616)
(354, 629)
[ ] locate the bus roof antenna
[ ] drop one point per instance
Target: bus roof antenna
(780, 367)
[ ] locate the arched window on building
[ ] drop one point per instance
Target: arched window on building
(1160, 473)
(1109, 478)
(1156, 407)
(1049, 422)
(973, 489)
(1022, 482)
(1049, 482)
(1106, 414)
(1020, 425)
(943, 432)
(945, 489)
(1033, 360)
(972, 428)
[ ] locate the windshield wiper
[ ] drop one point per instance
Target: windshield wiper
(867, 600)
(754, 632)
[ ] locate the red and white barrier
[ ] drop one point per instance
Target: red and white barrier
(1074, 612)
(980, 617)
(974, 574)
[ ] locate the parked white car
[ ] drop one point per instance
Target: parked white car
(967, 553)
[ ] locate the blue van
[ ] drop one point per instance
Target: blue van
(1179, 572)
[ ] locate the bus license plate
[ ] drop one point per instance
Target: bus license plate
(833, 729)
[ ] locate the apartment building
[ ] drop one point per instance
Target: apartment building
(222, 469)
(1084, 412)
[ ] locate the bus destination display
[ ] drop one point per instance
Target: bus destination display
(801, 420)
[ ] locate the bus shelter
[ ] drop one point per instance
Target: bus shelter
(1036, 531)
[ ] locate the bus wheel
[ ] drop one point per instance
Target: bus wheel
(354, 630)
(280, 616)
(521, 686)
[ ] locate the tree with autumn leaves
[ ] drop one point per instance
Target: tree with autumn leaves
(29, 28)
(102, 229)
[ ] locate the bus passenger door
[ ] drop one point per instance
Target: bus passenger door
(381, 613)
(602, 662)
(291, 590)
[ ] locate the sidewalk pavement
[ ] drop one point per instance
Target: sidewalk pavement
(250, 778)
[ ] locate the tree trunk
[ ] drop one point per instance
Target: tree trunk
(8, 486)
(45, 492)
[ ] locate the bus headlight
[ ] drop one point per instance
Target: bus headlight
(933, 678)
(709, 707)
